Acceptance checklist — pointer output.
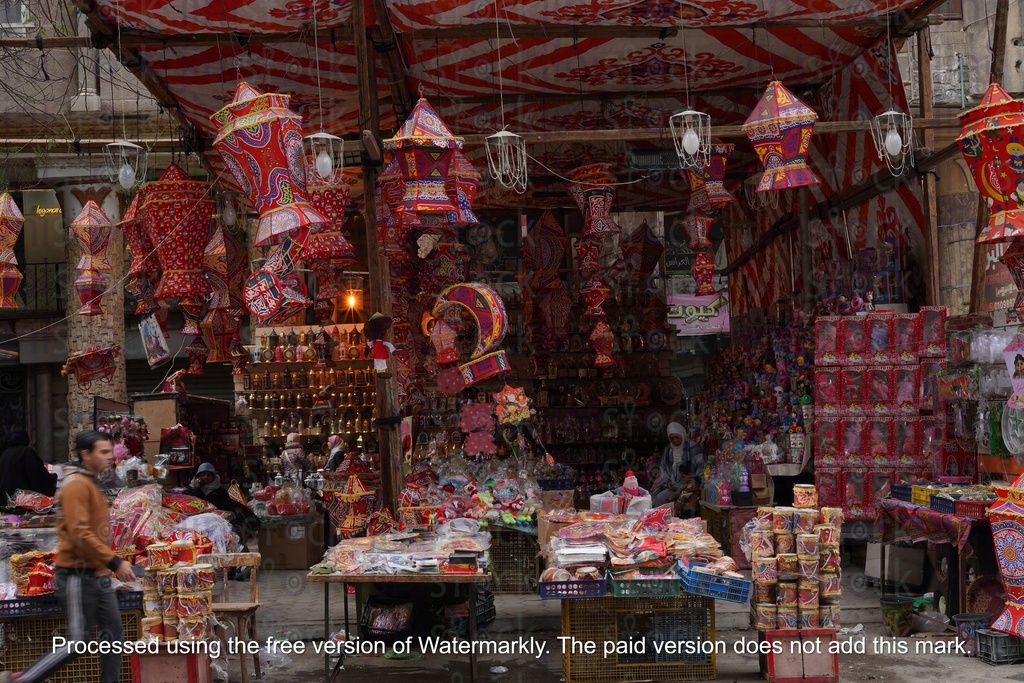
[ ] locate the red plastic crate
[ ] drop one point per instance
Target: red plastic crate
(796, 667)
(972, 509)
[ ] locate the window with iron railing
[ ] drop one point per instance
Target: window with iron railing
(43, 291)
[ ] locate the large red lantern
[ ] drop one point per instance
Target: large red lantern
(11, 221)
(260, 140)
(593, 191)
(462, 185)
(697, 226)
(91, 228)
(780, 129)
(703, 272)
(992, 143)
(144, 270)
(423, 150)
(176, 214)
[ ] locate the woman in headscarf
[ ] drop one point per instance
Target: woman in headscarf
(293, 458)
(336, 452)
(680, 458)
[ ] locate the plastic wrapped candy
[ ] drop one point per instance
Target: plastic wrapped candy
(214, 527)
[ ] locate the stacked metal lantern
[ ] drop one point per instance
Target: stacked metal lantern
(11, 222)
(707, 196)
(91, 228)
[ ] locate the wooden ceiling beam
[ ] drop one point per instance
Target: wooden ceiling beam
(384, 40)
(603, 96)
(341, 34)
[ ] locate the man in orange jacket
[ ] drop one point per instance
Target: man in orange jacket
(84, 563)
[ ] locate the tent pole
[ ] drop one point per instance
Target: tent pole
(806, 257)
(933, 289)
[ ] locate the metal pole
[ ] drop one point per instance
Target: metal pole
(806, 257)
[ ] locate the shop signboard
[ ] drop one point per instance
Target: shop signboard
(699, 315)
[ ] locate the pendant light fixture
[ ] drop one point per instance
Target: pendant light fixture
(691, 129)
(893, 131)
(506, 151)
(324, 152)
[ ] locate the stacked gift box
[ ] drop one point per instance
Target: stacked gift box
(796, 564)
(874, 391)
(178, 593)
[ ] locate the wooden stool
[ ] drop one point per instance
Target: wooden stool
(242, 614)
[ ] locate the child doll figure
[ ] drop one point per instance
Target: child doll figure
(375, 329)
(631, 487)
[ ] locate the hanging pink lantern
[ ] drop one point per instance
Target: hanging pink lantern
(197, 354)
(11, 222)
(462, 185)
(260, 140)
(588, 256)
(780, 128)
(176, 213)
(703, 272)
(991, 145)
(328, 254)
(697, 226)
(10, 281)
(423, 150)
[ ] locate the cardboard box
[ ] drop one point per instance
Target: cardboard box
(546, 529)
(291, 546)
(798, 664)
(557, 500)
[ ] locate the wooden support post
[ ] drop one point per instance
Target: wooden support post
(389, 435)
(806, 255)
(980, 250)
(933, 289)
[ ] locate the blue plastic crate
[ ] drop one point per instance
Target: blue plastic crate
(900, 491)
(942, 504)
(712, 586)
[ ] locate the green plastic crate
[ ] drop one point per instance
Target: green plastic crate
(647, 587)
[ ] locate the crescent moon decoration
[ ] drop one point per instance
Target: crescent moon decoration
(487, 308)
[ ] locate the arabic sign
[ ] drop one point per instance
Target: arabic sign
(1000, 292)
(699, 315)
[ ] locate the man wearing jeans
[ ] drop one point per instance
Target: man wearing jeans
(84, 562)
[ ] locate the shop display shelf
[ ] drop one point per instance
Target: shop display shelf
(647, 587)
(573, 590)
(999, 648)
(713, 586)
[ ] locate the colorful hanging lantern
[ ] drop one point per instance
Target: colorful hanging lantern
(714, 176)
(423, 150)
(225, 261)
(176, 213)
(487, 309)
(11, 222)
(641, 252)
(260, 140)
(323, 309)
(595, 293)
(462, 185)
(703, 272)
(330, 201)
(275, 292)
(197, 354)
(593, 191)
(96, 363)
(10, 281)
(328, 254)
(697, 226)
(602, 340)
(144, 270)
(1006, 517)
(91, 229)
(191, 310)
(90, 285)
(991, 143)
(322, 346)
(239, 357)
(780, 128)
(219, 328)
(588, 256)
(1013, 258)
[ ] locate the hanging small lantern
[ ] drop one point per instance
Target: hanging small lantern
(260, 140)
(323, 309)
(707, 184)
(239, 357)
(322, 345)
(595, 293)
(992, 144)
(91, 229)
(96, 363)
(219, 328)
(691, 132)
(462, 184)
(143, 269)
(127, 161)
(325, 158)
(780, 128)
(176, 214)
(10, 282)
(642, 252)
(893, 133)
(1013, 258)
(276, 292)
(224, 264)
(506, 160)
(423, 149)
(703, 272)
(197, 354)
(191, 309)
(602, 340)
(588, 256)
(697, 226)
(592, 188)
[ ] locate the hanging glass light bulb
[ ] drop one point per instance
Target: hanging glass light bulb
(506, 159)
(228, 212)
(126, 162)
(691, 132)
(893, 134)
(325, 158)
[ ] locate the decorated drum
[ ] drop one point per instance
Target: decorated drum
(788, 566)
(786, 617)
(805, 520)
(782, 520)
(764, 520)
(828, 534)
(807, 593)
(205, 577)
(766, 570)
(787, 594)
(149, 581)
(171, 605)
(828, 616)
(807, 568)
(195, 604)
(808, 618)
(191, 628)
(785, 542)
(805, 496)
(765, 616)
(152, 605)
(160, 555)
(807, 546)
(764, 592)
(152, 627)
(170, 628)
(830, 586)
(762, 544)
(167, 581)
(828, 560)
(184, 552)
(187, 578)
(833, 516)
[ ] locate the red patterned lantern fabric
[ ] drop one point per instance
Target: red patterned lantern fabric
(697, 226)
(1014, 260)
(780, 129)
(176, 214)
(197, 354)
(703, 272)
(707, 185)
(91, 228)
(330, 201)
(96, 363)
(328, 254)
(275, 292)
(11, 222)
(991, 143)
(602, 339)
(462, 185)
(593, 191)
(10, 281)
(595, 292)
(1006, 517)
(225, 262)
(239, 357)
(144, 268)
(192, 310)
(423, 150)
(219, 329)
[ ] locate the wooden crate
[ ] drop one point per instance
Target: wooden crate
(791, 666)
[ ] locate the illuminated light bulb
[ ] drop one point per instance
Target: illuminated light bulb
(691, 141)
(229, 215)
(351, 300)
(893, 142)
(126, 176)
(324, 164)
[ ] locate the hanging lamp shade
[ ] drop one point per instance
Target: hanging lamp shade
(780, 129)
(697, 226)
(11, 222)
(424, 150)
(462, 185)
(260, 140)
(192, 310)
(703, 272)
(992, 144)
(176, 213)
(91, 228)
(593, 191)
(328, 255)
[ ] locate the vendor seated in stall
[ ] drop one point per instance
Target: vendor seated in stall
(207, 485)
(22, 468)
(680, 457)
